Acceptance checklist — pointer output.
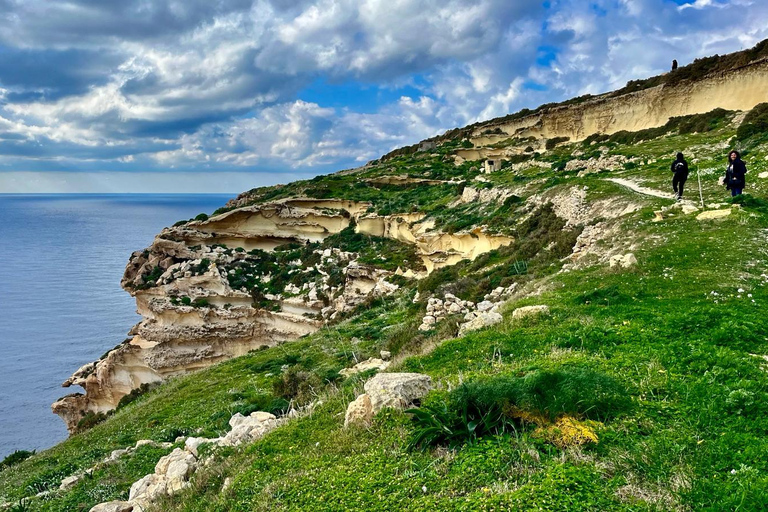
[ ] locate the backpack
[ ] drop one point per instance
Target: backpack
(679, 166)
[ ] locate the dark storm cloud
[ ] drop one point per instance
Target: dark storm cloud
(50, 74)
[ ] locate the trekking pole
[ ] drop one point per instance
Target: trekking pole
(701, 195)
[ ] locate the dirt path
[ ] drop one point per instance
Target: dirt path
(640, 189)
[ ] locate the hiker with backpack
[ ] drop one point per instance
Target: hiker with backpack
(734, 174)
(680, 174)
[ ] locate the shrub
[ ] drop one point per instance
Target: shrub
(15, 458)
(493, 405)
(755, 123)
(297, 384)
(201, 216)
(134, 394)
(552, 143)
(90, 420)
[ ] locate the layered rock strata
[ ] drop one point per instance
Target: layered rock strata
(203, 289)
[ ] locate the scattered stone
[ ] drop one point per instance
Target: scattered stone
(713, 214)
(69, 482)
(526, 311)
(485, 305)
(385, 355)
(623, 261)
(113, 506)
(116, 454)
(397, 390)
(193, 443)
(481, 320)
(359, 410)
(369, 364)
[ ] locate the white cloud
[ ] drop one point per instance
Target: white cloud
(214, 84)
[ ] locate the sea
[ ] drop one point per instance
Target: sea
(61, 305)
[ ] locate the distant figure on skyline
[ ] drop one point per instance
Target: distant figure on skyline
(680, 175)
(674, 64)
(735, 174)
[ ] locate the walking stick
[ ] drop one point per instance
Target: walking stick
(701, 195)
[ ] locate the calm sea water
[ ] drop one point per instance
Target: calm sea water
(61, 305)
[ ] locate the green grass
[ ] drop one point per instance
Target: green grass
(667, 355)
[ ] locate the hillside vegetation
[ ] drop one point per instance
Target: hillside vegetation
(643, 388)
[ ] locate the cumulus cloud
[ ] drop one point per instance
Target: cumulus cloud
(219, 85)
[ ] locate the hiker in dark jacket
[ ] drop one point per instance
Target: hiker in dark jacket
(680, 170)
(734, 174)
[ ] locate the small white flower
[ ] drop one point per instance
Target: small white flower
(740, 290)
(424, 487)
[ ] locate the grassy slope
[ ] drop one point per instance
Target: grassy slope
(693, 439)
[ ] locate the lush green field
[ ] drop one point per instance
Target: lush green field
(662, 362)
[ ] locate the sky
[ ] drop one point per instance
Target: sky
(225, 95)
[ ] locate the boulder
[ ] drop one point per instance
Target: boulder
(623, 261)
(713, 214)
(247, 429)
(191, 444)
(359, 410)
(398, 390)
(113, 506)
(482, 319)
(530, 311)
(147, 490)
(485, 305)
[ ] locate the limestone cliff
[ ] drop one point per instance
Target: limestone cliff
(208, 290)
(737, 89)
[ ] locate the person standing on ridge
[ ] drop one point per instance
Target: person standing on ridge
(734, 174)
(680, 174)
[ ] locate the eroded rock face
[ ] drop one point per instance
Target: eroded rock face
(640, 110)
(195, 313)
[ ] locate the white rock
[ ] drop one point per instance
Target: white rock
(113, 506)
(428, 320)
(713, 214)
(359, 410)
(147, 490)
(116, 454)
(454, 308)
(623, 261)
(69, 482)
(396, 389)
(486, 305)
(385, 355)
(144, 442)
(530, 311)
(483, 319)
(193, 443)
(363, 366)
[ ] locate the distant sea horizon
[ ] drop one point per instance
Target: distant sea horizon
(61, 305)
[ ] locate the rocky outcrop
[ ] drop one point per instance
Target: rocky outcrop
(203, 289)
(174, 471)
